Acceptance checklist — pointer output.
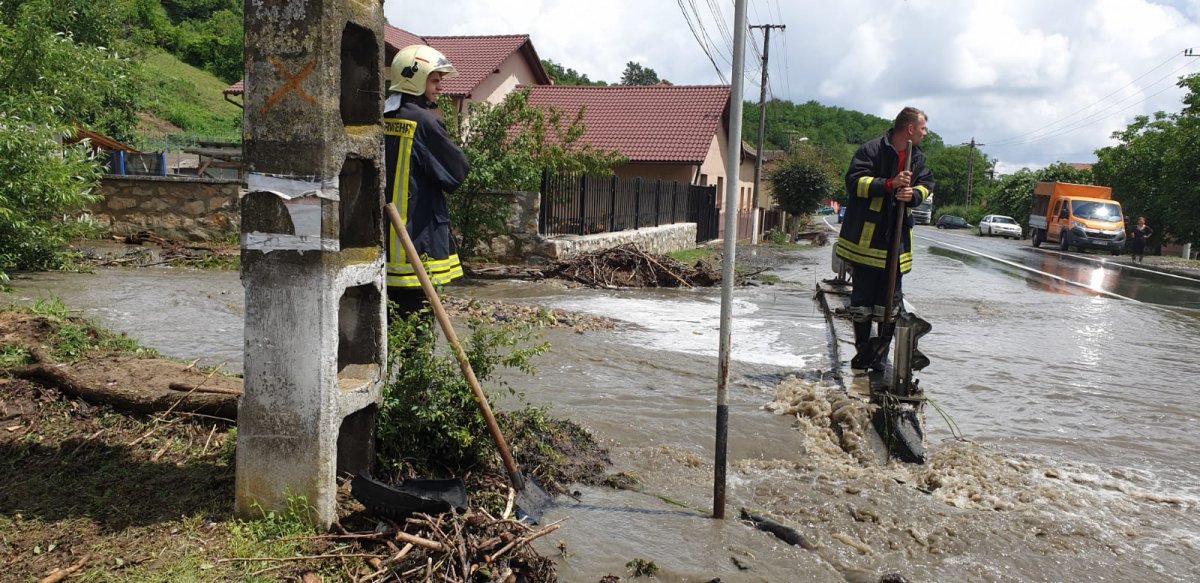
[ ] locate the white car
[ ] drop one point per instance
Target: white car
(999, 225)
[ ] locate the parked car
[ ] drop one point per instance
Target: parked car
(841, 214)
(952, 222)
(825, 210)
(999, 225)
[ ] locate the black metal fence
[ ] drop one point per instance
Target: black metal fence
(575, 204)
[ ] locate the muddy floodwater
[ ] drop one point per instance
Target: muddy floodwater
(1076, 411)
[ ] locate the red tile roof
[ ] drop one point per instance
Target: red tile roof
(475, 57)
(656, 123)
(398, 38)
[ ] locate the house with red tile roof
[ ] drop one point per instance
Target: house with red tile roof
(668, 132)
(489, 66)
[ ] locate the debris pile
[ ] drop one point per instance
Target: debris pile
(628, 266)
(475, 546)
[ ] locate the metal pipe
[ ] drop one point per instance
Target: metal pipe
(733, 161)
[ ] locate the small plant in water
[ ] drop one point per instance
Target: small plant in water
(642, 568)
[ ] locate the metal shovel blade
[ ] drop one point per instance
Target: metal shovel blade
(412, 496)
(532, 500)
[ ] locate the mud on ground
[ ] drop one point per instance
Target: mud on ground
(128, 495)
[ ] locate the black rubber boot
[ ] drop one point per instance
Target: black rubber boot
(862, 345)
(881, 346)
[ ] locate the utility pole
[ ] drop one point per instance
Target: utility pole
(733, 161)
(971, 166)
(762, 127)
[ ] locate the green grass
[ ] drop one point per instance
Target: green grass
(74, 337)
(691, 256)
(189, 98)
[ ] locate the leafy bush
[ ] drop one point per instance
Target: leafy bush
(509, 146)
(805, 178)
(429, 420)
(775, 237)
(40, 181)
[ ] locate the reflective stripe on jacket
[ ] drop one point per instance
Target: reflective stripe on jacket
(870, 209)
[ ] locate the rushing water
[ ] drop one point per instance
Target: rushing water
(1079, 410)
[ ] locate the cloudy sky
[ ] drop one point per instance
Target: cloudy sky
(1036, 81)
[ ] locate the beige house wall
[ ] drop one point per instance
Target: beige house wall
(514, 71)
(713, 173)
(765, 199)
(685, 173)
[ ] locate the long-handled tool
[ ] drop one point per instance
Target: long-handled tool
(531, 498)
(884, 341)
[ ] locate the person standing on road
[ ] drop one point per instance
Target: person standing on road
(436, 166)
(1139, 235)
(875, 182)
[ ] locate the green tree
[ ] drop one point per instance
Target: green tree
(1153, 169)
(802, 180)
(214, 44)
(509, 146)
(90, 86)
(636, 74)
(567, 76)
(949, 166)
(50, 83)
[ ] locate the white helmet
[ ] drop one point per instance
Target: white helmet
(412, 66)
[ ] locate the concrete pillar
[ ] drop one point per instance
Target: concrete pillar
(312, 251)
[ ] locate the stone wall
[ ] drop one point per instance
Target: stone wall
(523, 244)
(663, 239)
(175, 207)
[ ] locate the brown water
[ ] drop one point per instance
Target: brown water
(1079, 409)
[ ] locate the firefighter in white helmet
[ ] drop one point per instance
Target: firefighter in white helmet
(417, 147)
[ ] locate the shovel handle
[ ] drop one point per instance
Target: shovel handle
(893, 265)
(431, 294)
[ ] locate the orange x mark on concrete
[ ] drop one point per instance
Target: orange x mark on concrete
(293, 82)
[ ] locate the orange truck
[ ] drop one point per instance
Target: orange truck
(1082, 216)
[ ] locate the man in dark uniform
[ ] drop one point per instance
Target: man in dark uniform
(423, 164)
(875, 182)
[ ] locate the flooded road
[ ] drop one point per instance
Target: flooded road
(1079, 406)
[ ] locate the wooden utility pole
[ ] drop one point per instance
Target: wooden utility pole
(762, 127)
(971, 166)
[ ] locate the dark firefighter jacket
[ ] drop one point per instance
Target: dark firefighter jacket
(422, 165)
(871, 210)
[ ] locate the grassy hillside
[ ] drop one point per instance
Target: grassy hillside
(188, 98)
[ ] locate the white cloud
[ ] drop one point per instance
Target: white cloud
(1038, 81)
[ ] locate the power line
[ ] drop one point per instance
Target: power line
(1016, 138)
(1098, 115)
(703, 47)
